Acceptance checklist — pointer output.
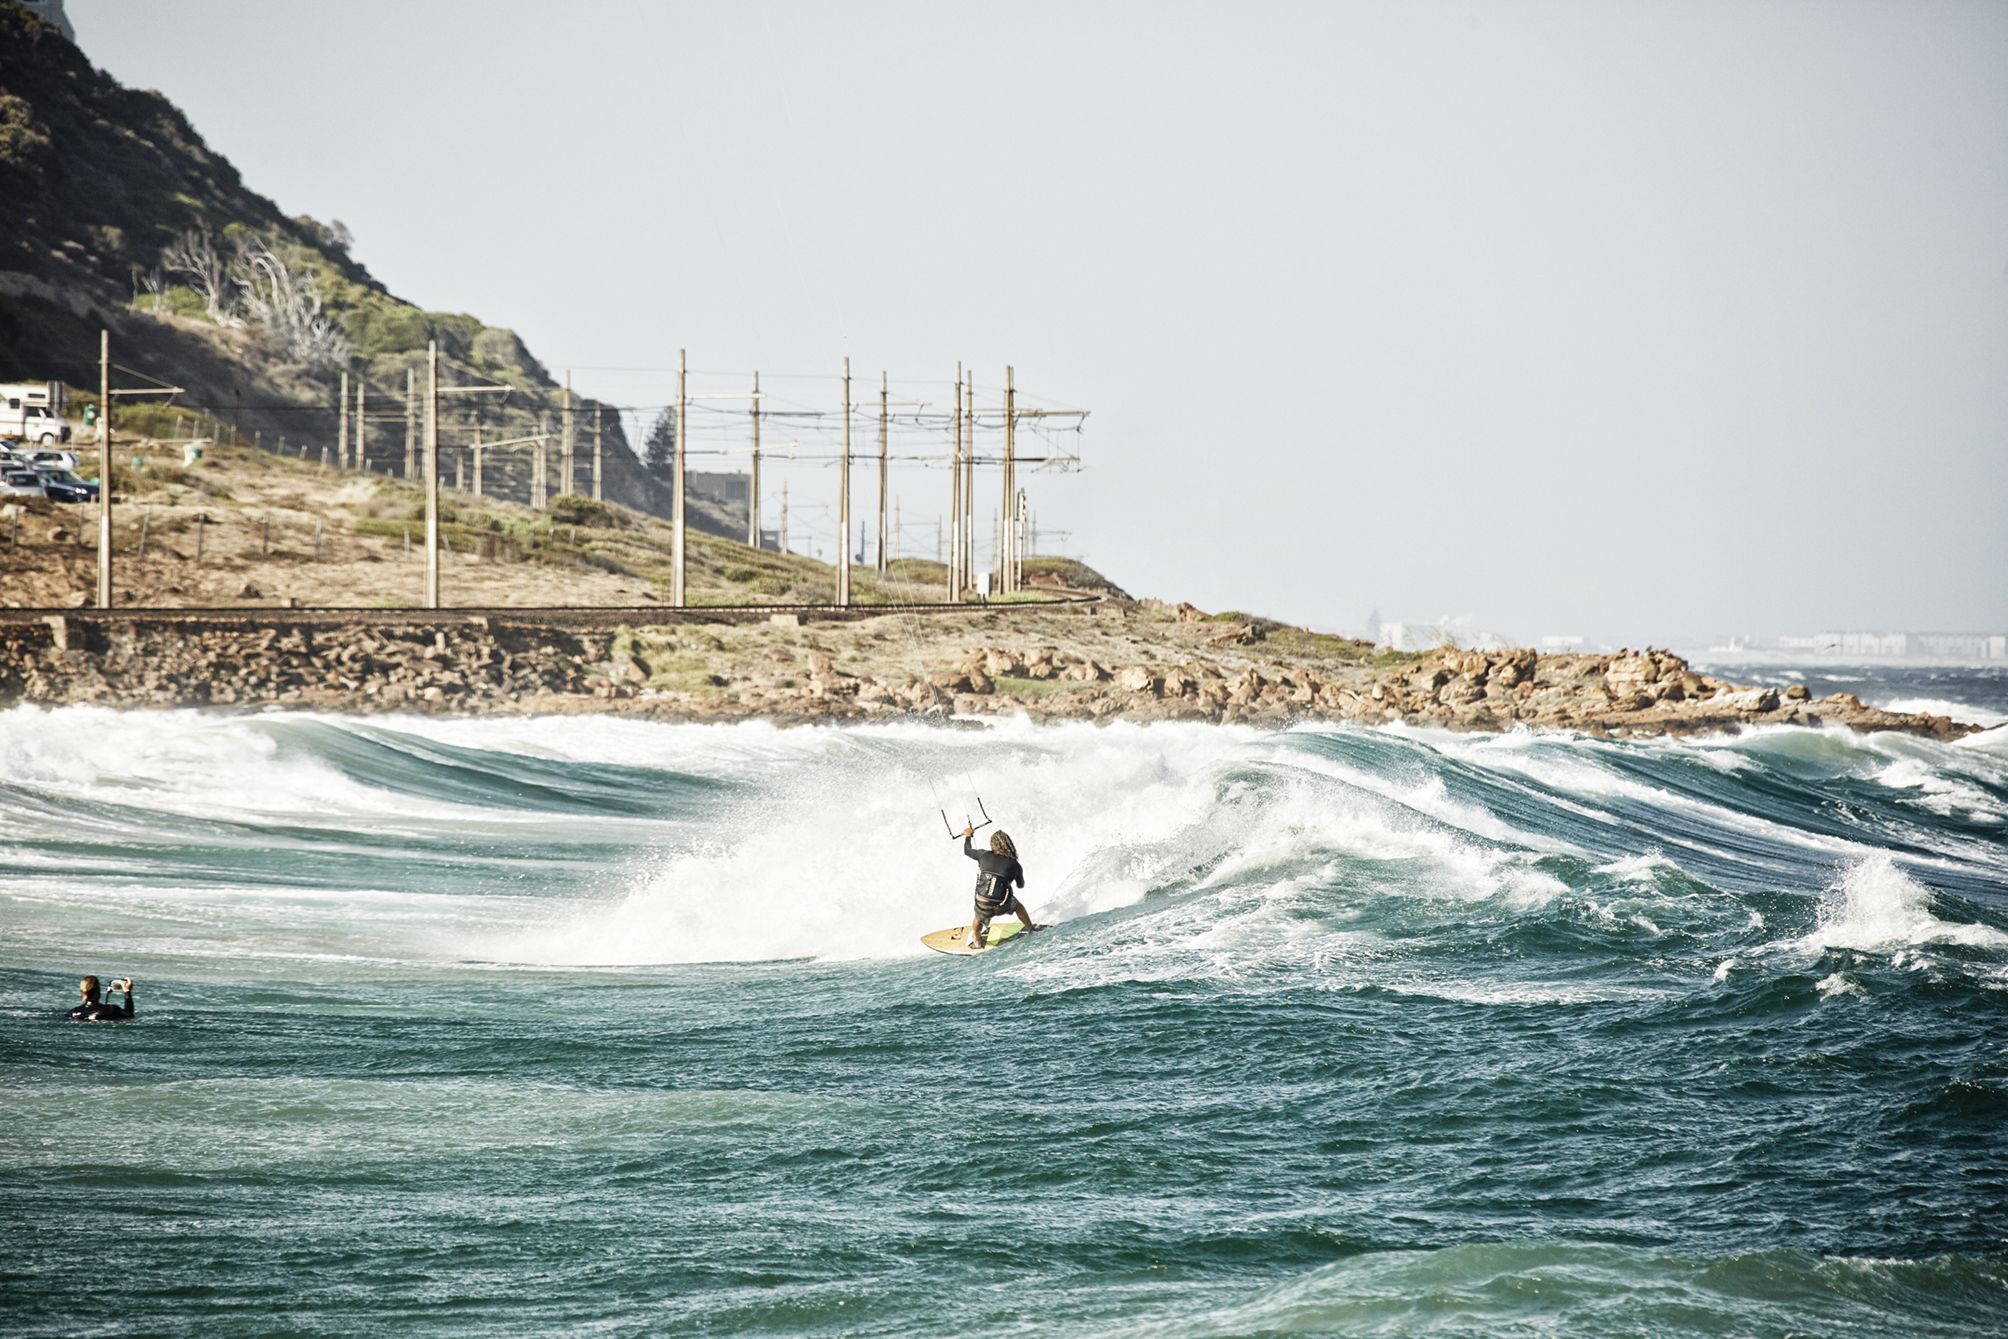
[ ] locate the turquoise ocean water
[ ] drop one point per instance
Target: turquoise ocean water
(586, 1025)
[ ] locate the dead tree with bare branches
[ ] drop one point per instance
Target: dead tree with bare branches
(207, 267)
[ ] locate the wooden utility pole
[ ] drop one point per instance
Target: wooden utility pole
(568, 454)
(1010, 552)
(753, 481)
(410, 423)
(539, 488)
(844, 501)
(342, 425)
(432, 474)
(969, 484)
(955, 493)
(676, 586)
(597, 407)
(882, 474)
(784, 516)
(104, 469)
(362, 451)
(477, 456)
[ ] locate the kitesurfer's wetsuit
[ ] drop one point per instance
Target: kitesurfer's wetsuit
(98, 1011)
(993, 886)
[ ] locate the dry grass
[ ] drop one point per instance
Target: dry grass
(292, 532)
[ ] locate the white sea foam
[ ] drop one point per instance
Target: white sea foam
(1876, 908)
(841, 862)
(1253, 936)
(1636, 868)
(1938, 706)
(1938, 791)
(620, 741)
(1507, 992)
(185, 762)
(847, 858)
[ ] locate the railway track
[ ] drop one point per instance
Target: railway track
(570, 616)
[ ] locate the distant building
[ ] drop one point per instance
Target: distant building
(51, 11)
(1959, 645)
(1875, 643)
(1562, 642)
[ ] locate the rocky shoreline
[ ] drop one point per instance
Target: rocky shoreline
(1125, 661)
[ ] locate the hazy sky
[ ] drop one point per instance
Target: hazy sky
(1649, 321)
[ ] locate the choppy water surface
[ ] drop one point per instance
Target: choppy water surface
(523, 1026)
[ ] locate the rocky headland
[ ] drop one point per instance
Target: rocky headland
(1107, 660)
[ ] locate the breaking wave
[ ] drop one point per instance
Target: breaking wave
(1161, 851)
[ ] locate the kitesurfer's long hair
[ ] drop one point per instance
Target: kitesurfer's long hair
(1001, 843)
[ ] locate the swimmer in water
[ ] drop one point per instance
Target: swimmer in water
(95, 1010)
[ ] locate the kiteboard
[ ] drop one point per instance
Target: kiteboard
(955, 939)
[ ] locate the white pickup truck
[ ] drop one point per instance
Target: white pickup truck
(33, 412)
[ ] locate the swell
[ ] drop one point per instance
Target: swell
(1202, 850)
(1605, 1289)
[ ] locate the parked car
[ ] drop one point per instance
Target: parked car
(43, 459)
(22, 483)
(63, 486)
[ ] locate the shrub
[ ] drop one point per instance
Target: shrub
(578, 509)
(381, 327)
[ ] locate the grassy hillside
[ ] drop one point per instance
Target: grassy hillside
(251, 527)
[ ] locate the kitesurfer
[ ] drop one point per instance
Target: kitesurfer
(95, 1010)
(1001, 872)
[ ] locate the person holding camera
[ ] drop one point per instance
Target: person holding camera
(95, 1010)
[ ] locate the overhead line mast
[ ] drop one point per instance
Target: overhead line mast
(753, 482)
(955, 535)
(676, 587)
(844, 501)
(883, 406)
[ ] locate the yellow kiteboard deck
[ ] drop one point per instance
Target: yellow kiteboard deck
(955, 939)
